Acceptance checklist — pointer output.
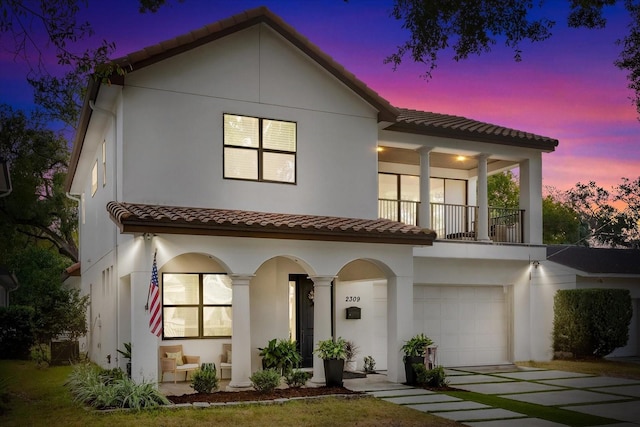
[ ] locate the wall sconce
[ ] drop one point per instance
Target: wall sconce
(535, 264)
(148, 236)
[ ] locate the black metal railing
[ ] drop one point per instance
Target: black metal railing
(457, 222)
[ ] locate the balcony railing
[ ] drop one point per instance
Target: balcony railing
(457, 222)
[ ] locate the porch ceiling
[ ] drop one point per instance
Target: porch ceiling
(141, 218)
(436, 159)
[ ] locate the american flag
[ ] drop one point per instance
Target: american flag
(155, 322)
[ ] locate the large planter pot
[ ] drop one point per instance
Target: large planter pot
(410, 374)
(333, 372)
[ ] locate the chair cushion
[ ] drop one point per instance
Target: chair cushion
(229, 356)
(188, 367)
(177, 356)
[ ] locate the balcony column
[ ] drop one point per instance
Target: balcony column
(321, 320)
(482, 220)
(531, 199)
(241, 332)
(424, 208)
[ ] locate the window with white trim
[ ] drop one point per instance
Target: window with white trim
(196, 305)
(94, 179)
(258, 149)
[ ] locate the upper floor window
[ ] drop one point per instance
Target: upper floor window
(196, 305)
(258, 149)
(104, 163)
(94, 178)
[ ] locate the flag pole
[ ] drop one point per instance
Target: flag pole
(146, 307)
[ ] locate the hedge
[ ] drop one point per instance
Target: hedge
(591, 322)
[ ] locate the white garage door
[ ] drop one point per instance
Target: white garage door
(468, 324)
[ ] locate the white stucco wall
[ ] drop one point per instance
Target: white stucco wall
(173, 129)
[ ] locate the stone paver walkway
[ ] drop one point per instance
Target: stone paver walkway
(615, 399)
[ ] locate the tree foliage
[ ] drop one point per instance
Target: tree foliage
(475, 27)
(503, 190)
(57, 310)
(37, 210)
(560, 223)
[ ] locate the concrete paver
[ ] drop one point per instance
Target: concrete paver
(425, 398)
(448, 406)
(590, 382)
(479, 414)
(625, 390)
(507, 387)
(623, 411)
(540, 375)
(523, 422)
(472, 379)
(564, 397)
(400, 392)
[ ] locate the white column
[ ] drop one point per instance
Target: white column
(424, 209)
(399, 324)
(145, 359)
(241, 332)
(531, 199)
(482, 221)
(321, 320)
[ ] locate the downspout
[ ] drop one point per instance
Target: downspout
(93, 107)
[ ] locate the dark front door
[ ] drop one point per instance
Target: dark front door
(304, 317)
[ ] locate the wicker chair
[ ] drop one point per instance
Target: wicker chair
(171, 364)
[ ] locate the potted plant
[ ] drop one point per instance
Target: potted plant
(333, 354)
(126, 353)
(414, 351)
(351, 350)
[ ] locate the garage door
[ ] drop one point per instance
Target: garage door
(468, 324)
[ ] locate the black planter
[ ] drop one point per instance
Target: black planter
(333, 372)
(409, 373)
(129, 369)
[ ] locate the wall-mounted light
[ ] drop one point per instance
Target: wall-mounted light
(148, 236)
(535, 264)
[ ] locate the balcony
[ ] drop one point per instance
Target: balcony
(457, 222)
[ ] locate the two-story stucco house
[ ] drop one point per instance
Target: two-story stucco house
(276, 190)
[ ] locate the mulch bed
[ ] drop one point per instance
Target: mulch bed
(252, 395)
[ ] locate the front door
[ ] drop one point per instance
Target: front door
(304, 317)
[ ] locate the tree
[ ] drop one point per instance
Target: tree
(59, 94)
(503, 190)
(37, 210)
(474, 27)
(57, 310)
(560, 223)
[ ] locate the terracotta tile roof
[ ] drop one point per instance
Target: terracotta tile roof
(449, 126)
(141, 218)
(596, 260)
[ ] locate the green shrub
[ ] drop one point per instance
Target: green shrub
(4, 395)
(265, 381)
(435, 377)
(591, 322)
(297, 378)
(102, 388)
(16, 332)
(205, 379)
(281, 355)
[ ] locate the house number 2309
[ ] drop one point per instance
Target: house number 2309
(352, 299)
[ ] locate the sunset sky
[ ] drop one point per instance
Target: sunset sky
(566, 87)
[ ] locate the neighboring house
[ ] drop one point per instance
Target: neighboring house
(576, 267)
(257, 170)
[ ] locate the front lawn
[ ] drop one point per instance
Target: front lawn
(38, 397)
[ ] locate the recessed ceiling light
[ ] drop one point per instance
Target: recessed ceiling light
(461, 158)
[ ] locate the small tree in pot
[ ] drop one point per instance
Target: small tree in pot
(333, 353)
(414, 351)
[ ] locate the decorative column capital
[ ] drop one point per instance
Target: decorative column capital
(241, 279)
(424, 149)
(322, 280)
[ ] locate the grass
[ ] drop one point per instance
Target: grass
(38, 397)
(595, 367)
(550, 413)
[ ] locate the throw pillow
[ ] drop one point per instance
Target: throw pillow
(228, 356)
(177, 356)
